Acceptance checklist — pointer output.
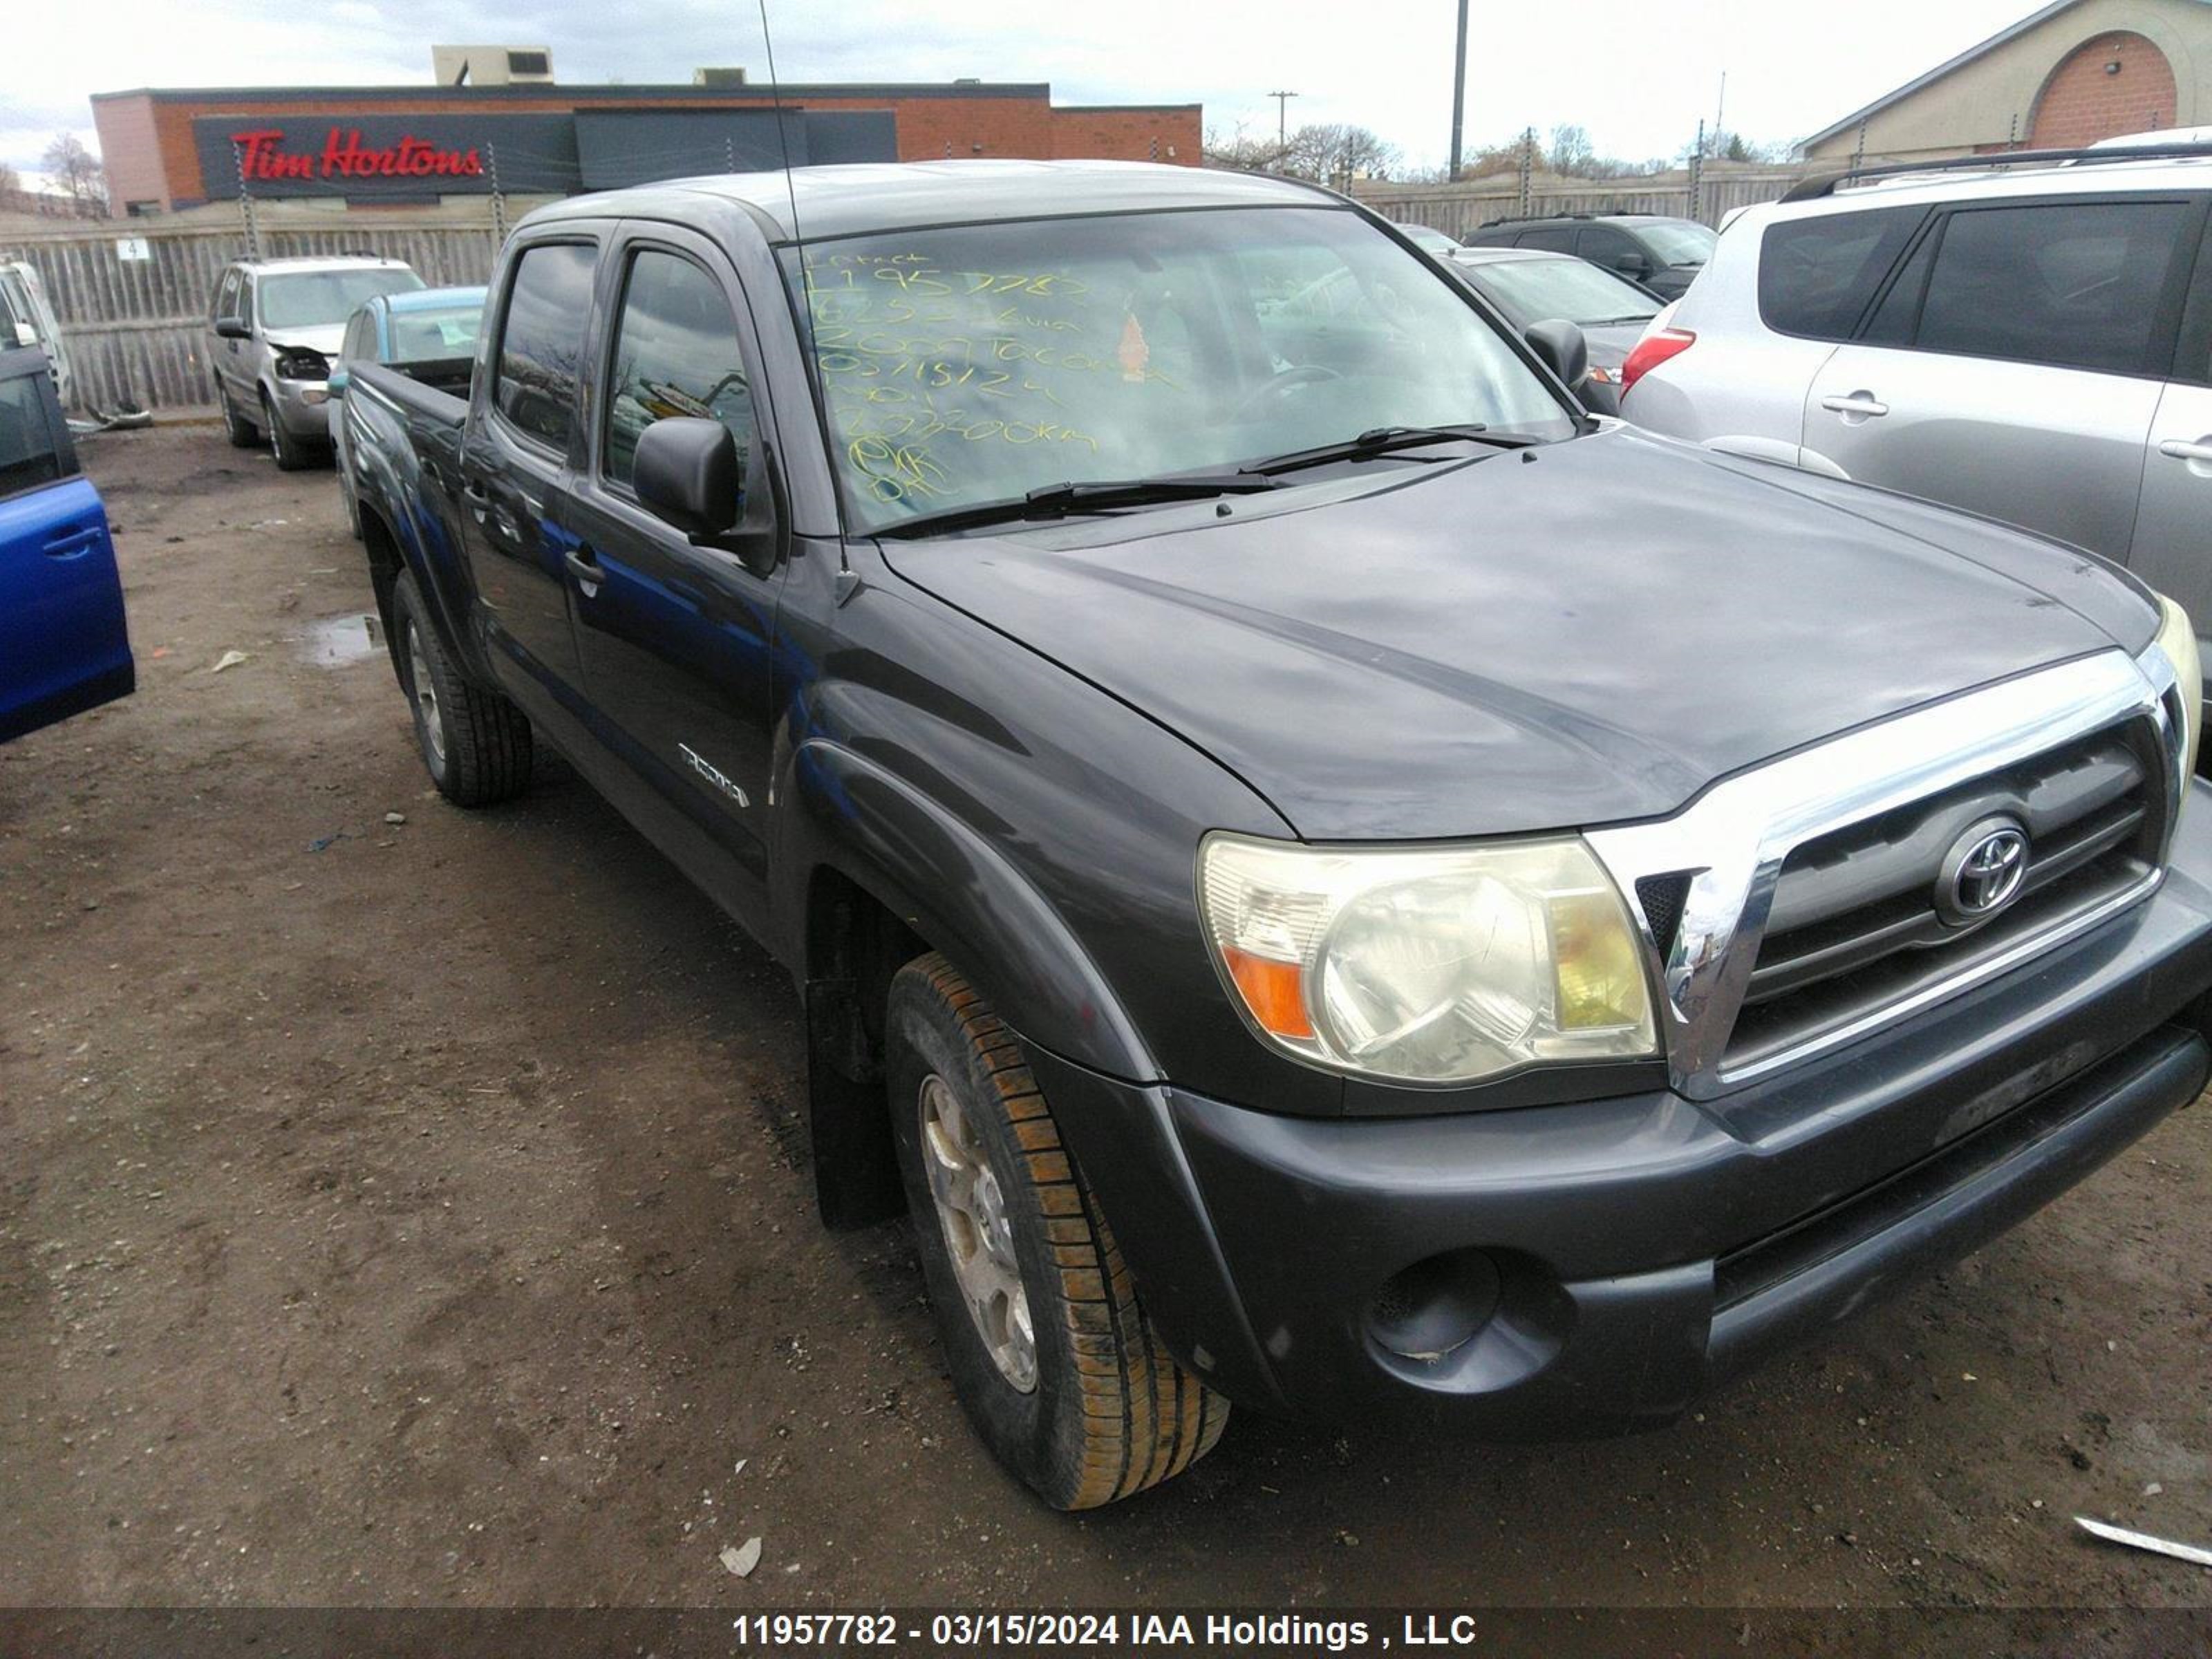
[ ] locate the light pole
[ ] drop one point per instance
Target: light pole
(1458, 91)
(1282, 125)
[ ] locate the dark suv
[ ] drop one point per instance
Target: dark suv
(1663, 254)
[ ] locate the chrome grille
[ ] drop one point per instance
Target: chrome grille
(1790, 909)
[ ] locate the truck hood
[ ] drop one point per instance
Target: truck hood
(1550, 638)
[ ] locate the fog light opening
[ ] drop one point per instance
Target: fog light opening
(1435, 1306)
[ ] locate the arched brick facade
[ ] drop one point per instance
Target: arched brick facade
(2085, 99)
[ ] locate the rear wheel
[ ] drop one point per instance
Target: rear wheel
(235, 426)
(475, 743)
(292, 455)
(1048, 1345)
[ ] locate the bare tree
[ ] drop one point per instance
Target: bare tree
(77, 172)
(1240, 150)
(11, 186)
(1337, 152)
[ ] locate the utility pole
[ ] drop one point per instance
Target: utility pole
(1720, 106)
(1282, 126)
(245, 203)
(1459, 92)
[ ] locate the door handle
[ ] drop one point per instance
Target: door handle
(476, 494)
(71, 543)
(2182, 450)
(588, 570)
(1857, 403)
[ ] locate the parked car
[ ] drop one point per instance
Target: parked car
(273, 326)
(63, 647)
(1663, 254)
(1529, 286)
(28, 319)
(1320, 875)
(1429, 239)
(2034, 343)
(426, 333)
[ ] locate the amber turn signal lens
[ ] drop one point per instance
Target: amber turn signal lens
(1273, 991)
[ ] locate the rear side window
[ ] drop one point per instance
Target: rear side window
(2075, 285)
(541, 347)
(29, 456)
(676, 353)
(1559, 240)
(1816, 275)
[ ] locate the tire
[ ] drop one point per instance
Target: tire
(292, 455)
(475, 743)
(236, 426)
(1107, 1412)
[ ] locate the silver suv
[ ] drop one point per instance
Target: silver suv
(274, 327)
(2031, 340)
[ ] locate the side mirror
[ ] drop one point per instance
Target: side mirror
(688, 474)
(336, 383)
(232, 328)
(1633, 264)
(1561, 346)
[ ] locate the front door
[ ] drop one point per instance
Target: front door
(515, 465)
(2014, 364)
(677, 639)
(63, 648)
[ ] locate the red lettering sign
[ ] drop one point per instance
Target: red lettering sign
(261, 155)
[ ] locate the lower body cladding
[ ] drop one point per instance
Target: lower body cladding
(1567, 1270)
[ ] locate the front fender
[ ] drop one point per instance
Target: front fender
(956, 890)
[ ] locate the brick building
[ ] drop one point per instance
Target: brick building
(2061, 78)
(168, 149)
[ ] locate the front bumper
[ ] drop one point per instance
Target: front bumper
(1640, 1249)
(303, 407)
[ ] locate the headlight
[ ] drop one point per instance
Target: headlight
(299, 363)
(2177, 638)
(1439, 966)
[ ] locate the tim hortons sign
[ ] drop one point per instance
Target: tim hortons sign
(263, 157)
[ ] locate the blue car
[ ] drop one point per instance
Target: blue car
(62, 645)
(429, 334)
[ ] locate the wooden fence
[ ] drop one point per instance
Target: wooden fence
(1460, 209)
(137, 329)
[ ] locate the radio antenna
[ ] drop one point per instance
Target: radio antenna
(783, 137)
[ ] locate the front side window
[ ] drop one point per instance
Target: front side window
(226, 295)
(29, 455)
(1817, 275)
(967, 366)
(1679, 241)
(2074, 285)
(316, 299)
(541, 348)
(676, 353)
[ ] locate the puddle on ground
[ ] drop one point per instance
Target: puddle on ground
(339, 642)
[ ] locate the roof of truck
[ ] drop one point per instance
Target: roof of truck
(855, 200)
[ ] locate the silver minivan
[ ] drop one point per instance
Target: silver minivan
(273, 328)
(2032, 342)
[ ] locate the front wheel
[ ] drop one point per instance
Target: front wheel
(292, 455)
(1050, 1352)
(475, 743)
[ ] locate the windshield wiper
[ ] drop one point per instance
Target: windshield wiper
(1057, 501)
(1383, 440)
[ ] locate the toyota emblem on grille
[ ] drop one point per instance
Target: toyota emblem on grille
(1983, 871)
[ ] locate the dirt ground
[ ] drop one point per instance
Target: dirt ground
(418, 1213)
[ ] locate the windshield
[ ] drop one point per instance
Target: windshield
(969, 365)
(426, 336)
(1536, 290)
(311, 299)
(1678, 242)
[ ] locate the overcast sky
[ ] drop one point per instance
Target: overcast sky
(1637, 76)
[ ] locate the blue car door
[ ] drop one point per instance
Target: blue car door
(62, 646)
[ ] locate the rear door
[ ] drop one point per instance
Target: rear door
(62, 646)
(2173, 527)
(676, 639)
(524, 429)
(2015, 363)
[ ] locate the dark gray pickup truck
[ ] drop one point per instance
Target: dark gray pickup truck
(1319, 874)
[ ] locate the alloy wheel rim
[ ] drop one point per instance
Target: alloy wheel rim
(426, 694)
(978, 1235)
